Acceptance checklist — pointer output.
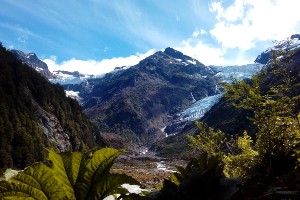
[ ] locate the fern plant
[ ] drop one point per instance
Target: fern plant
(70, 175)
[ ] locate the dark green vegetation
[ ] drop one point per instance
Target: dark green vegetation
(68, 176)
(137, 103)
(35, 114)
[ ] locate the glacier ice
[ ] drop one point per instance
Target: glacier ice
(199, 108)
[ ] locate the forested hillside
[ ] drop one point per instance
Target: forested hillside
(35, 114)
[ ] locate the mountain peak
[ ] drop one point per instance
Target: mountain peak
(174, 53)
(292, 43)
(177, 54)
(33, 61)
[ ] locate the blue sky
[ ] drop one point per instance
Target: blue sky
(94, 36)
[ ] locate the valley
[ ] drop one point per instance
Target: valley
(150, 110)
(150, 100)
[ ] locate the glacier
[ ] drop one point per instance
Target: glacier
(199, 108)
(226, 73)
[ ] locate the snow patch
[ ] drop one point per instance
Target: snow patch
(143, 151)
(39, 69)
(168, 135)
(73, 94)
(161, 166)
(132, 189)
(192, 62)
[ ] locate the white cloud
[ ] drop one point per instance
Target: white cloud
(198, 32)
(206, 54)
(233, 13)
(245, 23)
(93, 66)
(217, 8)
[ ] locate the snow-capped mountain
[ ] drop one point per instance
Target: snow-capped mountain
(62, 77)
(67, 78)
(138, 102)
(292, 43)
(169, 68)
(32, 60)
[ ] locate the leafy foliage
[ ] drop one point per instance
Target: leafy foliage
(207, 140)
(274, 101)
(237, 155)
(243, 162)
(68, 176)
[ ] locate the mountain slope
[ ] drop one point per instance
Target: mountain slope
(139, 102)
(35, 114)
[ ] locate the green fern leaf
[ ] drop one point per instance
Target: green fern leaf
(182, 171)
(94, 171)
(37, 182)
(66, 165)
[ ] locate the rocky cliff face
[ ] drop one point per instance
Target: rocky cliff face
(52, 129)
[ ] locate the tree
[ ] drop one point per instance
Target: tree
(207, 140)
(242, 162)
(271, 97)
